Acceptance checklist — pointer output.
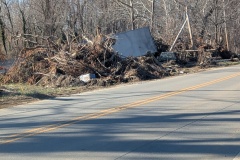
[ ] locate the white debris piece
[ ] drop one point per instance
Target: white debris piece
(87, 77)
(134, 43)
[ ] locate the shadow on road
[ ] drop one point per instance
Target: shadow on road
(139, 131)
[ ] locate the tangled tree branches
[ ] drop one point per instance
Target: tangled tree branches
(61, 66)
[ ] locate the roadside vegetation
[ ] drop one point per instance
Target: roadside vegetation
(55, 42)
(17, 94)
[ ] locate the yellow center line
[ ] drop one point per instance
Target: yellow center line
(52, 127)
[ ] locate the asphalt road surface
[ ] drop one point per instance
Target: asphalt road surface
(188, 117)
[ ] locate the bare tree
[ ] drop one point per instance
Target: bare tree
(25, 23)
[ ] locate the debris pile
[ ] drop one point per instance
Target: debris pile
(60, 66)
(69, 63)
(161, 46)
(204, 56)
(224, 53)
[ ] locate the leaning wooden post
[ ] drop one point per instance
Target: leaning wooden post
(189, 27)
(178, 35)
(226, 32)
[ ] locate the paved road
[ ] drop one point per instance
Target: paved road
(188, 117)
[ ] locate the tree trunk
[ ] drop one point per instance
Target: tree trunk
(132, 15)
(152, 15)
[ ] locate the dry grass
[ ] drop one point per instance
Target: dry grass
(16, 94)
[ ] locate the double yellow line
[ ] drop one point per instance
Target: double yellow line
(52, 127)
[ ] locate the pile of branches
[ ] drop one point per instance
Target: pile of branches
(224, 53)
(161, 46)
(61, 65)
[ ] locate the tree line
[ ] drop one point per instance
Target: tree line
(27, 23)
